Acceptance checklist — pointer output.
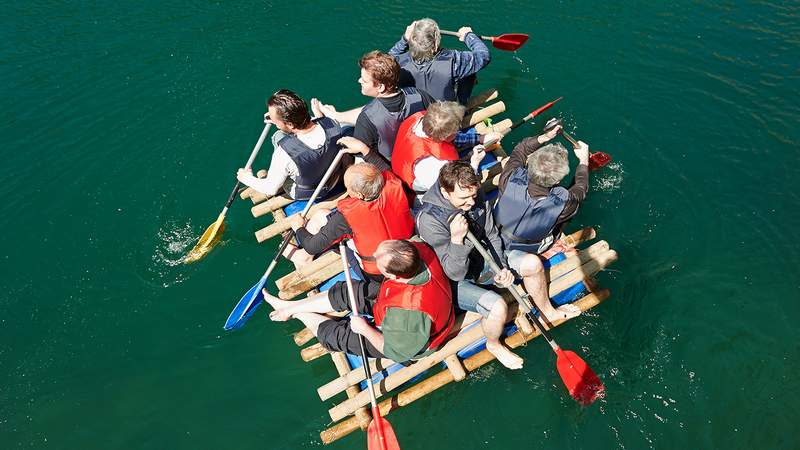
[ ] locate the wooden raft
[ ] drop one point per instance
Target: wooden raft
(445, 365)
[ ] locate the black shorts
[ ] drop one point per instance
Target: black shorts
(335, 334)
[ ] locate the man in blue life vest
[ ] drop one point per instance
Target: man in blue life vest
(412, 308)
(304, 149)
(377, 122)
(533, 207)
(445, 74)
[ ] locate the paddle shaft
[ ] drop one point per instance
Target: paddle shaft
(250, 160)
(453, 33)
(522, 300)
(303, 213)
(354, 309)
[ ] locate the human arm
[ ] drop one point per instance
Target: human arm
(280, 167)
(402, 45)
(466, 63)
(360, 326)
(343, 117)
(329, 234)
(580, 183)
(356, 147)
(454, 256)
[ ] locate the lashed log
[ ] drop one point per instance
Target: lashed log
(279, 227)
(499, 127)
(274, 203)
(483, 114)
(481, 98)
(432, 383)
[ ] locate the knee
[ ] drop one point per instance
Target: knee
(317, 221)
(499, 308)
(531, 266)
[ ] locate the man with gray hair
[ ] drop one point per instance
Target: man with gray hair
(375, 210)
(533, 207)
(428, 140)
(445, 74)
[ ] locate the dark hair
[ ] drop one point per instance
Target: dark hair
(458, 172)
(382, 67)
(404, 259)
(291, 108)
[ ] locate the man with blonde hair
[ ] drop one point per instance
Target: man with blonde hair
(427, 140)
(445, 74)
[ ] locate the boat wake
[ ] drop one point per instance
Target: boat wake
(173, 243)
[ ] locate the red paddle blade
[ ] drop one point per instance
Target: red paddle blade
(380, 435)
(582, 383)
(598, 160)
(510, 41)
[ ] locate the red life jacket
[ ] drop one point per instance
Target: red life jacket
(433, 298)
(386, 217)
(410, 148)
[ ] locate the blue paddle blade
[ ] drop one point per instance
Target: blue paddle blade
(246, 306)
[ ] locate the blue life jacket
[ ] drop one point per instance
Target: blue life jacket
(312, 163)
(387, 123)
(476, 220)
(526, 223)
(434, 77)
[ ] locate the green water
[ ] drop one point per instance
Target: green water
(122, 128)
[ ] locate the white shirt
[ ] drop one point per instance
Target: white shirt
(426, 170)
(282, 170)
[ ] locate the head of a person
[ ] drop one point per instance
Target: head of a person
(442, 120)
(548, 165)
(288, 111)
(423, 43)
(363, 181)
(397, 259)
(459, 184)
(380, 74)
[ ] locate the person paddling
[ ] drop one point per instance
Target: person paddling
(304, 149)
(377, 122)
(412, 309)
(375, 210)
(427, 140)
(445, 74)
(533, 207)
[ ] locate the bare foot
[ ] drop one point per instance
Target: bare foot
(504, 355)
(282, 308)
(564, 312)
(559, 247)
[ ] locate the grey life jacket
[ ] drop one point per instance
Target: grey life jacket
(386, 123)
(434, 77)
(312, 163)
(476, 218)
(526, 223)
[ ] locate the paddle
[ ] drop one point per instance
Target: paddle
(380, 435)
(252, 298)
(533, 114)
(509, 42)
(214, 231)
(596, 159)
(581, 381)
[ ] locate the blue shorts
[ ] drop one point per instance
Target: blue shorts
(471, 296)
(514, 258)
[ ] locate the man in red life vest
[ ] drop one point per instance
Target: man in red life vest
(428, 140)
(375, 210)
(413, 307)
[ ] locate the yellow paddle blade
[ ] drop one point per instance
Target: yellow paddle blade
(207, 241)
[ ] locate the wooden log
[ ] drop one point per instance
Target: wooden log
(348, 406)
(248, 191)
(313, 352)
(574, 261)
(499, 127)
(277, 202)
(483, 114)
(279, 227)
(311, 281)
(481, 98)
(342, 366)
(307, 270)
(434, 382)
(455, 367)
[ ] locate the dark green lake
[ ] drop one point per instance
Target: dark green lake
(122, 128)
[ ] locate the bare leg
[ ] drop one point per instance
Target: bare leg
(493, 329)
(532, 273)
(311, 320)
(286, 309)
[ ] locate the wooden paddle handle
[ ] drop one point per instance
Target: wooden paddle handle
(257, 148)
(454, 33)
